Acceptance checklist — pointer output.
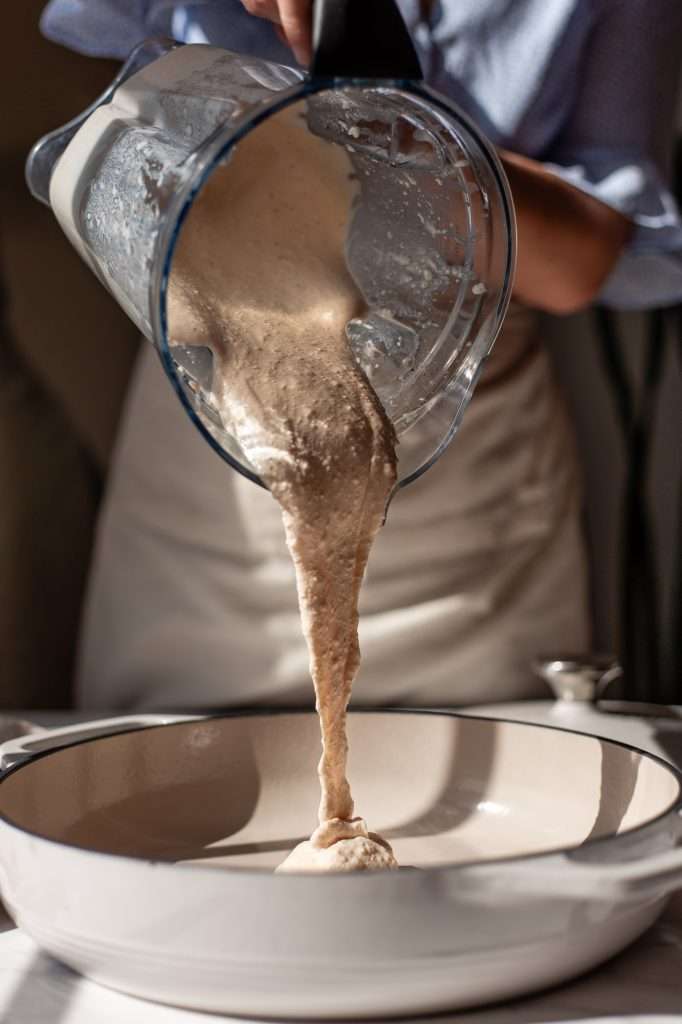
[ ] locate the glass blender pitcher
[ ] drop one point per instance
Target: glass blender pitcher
(430, 242)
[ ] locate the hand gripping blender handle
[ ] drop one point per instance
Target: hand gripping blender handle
(362, 39)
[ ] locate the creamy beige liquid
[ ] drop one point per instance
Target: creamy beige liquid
(307, 419)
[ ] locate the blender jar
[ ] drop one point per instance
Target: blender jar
(430, 242)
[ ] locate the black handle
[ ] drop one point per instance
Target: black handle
(362, 39)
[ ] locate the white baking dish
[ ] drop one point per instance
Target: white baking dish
(139, 852)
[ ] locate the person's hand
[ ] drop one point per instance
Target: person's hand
(292, 19)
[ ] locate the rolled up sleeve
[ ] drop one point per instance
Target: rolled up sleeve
(105, 28)
(617, 144)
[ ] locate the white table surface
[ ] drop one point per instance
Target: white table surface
(643, 985)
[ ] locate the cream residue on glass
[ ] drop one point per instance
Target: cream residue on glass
(259, 276)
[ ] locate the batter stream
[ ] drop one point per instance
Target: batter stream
(289, 390)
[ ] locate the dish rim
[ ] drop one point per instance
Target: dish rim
(617, 840)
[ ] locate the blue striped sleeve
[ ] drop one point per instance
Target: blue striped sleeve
(617, 143)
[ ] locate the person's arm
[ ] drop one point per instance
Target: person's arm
(596, 219)
(568, 242)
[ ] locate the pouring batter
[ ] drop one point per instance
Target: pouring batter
(289, 390)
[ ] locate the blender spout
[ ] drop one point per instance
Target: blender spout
(45, 153)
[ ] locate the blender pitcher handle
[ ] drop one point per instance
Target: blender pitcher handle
(46, 151)
(357, 39)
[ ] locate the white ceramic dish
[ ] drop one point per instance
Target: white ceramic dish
(142, 859)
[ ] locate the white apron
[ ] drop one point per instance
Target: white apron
(481, 565)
